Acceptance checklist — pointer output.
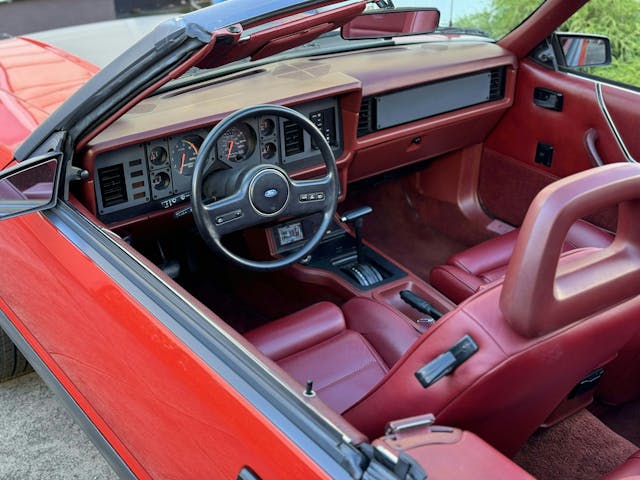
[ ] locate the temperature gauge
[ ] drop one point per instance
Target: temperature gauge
(268, 151)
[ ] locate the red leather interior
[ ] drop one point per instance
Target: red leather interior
(514, 378)
(526, 124)
(571, 291)
(626, 120)
(467, 271)
(629, 470)
(446, 453)
(317, 344)
(298, 331)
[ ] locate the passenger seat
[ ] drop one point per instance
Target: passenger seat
(465, 272)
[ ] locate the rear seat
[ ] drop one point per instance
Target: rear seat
(465, 272)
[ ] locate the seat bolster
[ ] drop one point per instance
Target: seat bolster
(488, 255)
(584, 234)
(454, 282)
(298, 331)
(388, 332)
(628, 470)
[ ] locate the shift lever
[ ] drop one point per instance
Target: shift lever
(355, 218)
(362, 271)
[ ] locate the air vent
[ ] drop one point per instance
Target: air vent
(112, 185)
(366, 117)
(293, 139)
(496, 87)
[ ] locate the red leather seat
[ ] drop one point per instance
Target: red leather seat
(553, 321)
(629, 470)
(465, 272)
(345, 352)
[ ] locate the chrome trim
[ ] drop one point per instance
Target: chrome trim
(612, 126)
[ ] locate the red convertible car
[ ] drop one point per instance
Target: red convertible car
(332, 239)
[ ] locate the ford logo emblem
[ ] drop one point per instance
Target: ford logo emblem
(272, 192)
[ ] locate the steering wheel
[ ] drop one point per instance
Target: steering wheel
(257, 194)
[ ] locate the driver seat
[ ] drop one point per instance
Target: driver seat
(546, 327)
(344, 351)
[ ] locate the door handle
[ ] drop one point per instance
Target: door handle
(590, 139)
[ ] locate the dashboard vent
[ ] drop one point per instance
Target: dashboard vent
(112, 185)
(496, 87)
(366, 117)
(293, 139)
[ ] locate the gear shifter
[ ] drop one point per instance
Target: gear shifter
(362, 271)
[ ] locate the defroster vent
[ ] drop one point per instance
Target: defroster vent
(112, 185)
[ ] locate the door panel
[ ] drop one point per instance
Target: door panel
(622, 107)
(514, 142)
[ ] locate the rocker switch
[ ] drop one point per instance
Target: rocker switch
(447, 362)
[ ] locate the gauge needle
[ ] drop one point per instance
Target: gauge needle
(230, 148)
(184, 156)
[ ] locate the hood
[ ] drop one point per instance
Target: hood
(35, 79)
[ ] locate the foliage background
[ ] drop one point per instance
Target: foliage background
(617, 19)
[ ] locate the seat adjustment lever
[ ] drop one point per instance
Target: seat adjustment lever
(447, 362)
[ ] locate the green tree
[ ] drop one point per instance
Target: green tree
(617, 19)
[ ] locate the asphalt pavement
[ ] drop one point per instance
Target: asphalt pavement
(39, 439)
(25, 16)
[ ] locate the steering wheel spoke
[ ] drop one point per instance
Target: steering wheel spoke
(231, 214)
(311, 196)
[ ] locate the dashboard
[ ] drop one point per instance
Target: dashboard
(379, 109)
(157, 174)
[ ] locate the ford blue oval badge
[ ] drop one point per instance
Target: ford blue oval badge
(272, 192)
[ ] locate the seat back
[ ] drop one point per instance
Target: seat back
(538, 333)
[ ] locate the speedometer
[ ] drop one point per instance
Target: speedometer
(236, 143)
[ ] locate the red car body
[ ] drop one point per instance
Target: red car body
(144, 383)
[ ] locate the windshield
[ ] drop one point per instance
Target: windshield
(495, 18)
(460, 20)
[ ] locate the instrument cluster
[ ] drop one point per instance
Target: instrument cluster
(157, 174)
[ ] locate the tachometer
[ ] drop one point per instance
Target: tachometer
(184, 154)
(237, 143)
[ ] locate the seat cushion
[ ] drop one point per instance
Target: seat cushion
(467, 271)
(630, 469)
(345, 359)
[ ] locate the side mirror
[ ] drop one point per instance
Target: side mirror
(392, 23)
(30, 186)
(584, 50)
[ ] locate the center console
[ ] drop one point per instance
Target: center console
(350, 267)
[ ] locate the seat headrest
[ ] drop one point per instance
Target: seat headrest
(541, 294)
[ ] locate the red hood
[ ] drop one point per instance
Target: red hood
(35, 79)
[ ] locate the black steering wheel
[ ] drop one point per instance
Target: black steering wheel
(253, 194)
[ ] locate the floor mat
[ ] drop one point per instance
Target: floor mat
(624, 420)
(397, 229)
(578, 448)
